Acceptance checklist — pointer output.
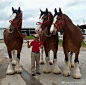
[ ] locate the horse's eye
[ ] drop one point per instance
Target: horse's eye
(59, 18)
(45, 18)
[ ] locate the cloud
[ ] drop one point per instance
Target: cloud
(75, 9)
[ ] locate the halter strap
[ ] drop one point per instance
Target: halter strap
(56, 24)
(43, 23)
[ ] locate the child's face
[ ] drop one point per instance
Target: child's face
(36, 38)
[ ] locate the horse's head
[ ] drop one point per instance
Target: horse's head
(16, 18)
(45, 20)
(58, 21)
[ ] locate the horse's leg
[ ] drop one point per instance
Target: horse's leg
(51, 55)
(10, 67)
(76, 73)
(66, 69)
(13, 58)
(46, 68)
(41, 57)
(56, 69)
(71, 59)
(18, 67)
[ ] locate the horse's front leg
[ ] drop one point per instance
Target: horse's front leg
(77, 73)
(66, 69)
(10, 69)
(14, 57)
(18, 68)
(41, 57)
(46, 68)
(51, 55)
(71, 59)
(56, 69)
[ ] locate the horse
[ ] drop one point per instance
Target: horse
(50, 41)
(72, 39)
(13, 40)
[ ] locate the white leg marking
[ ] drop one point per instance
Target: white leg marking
(56, 69)
(71, 60)
(41, 57)
(46, 68)
(14, 61)
(10, 68)
(77, 74)
(18, 67)
(66, 69)
(51, 55)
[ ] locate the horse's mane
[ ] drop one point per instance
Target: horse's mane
(68, 18)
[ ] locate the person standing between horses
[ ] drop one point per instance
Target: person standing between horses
(35, 55)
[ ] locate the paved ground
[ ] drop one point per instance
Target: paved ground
(46, 79)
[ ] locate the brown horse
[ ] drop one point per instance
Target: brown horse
(72, 39)
(50, 41)
(13, 40)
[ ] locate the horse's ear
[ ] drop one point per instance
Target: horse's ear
(60, 11)
(41, 11)
(19, 10)
(55, 10)
(13, 9)
(46, 11)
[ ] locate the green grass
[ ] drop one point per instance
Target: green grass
(60, 41)
(83, 44)
(29, 37)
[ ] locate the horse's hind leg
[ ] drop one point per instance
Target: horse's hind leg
(10, 69)
(18, 68)
(71, 59)
(41, 57)
(56, 69)
(76, 74)
(66, 69)
(13, 57)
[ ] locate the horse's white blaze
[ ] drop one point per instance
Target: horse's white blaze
(52, 27)
(38, 26)
(12, 17)
(56, 69)
(77, 73)
(51, 55)
(46, 68)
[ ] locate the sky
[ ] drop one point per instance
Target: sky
(75, 9)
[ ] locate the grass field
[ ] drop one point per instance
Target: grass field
(60, 41)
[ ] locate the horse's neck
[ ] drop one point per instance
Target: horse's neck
(47, 31)
(68, 26)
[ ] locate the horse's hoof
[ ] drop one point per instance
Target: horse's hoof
(66, 74)
(10, 72)
(57, 73)
(72, 65)
(50, 62)
(77, 76)
(46, 72)
(41, 62)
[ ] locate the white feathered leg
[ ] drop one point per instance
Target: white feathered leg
(10, 69)
(51, 55)
(41, 57)
(46, 68)
(71, 60)
(14, 61)
(77, 74)
(56, 69)
(18, 68)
